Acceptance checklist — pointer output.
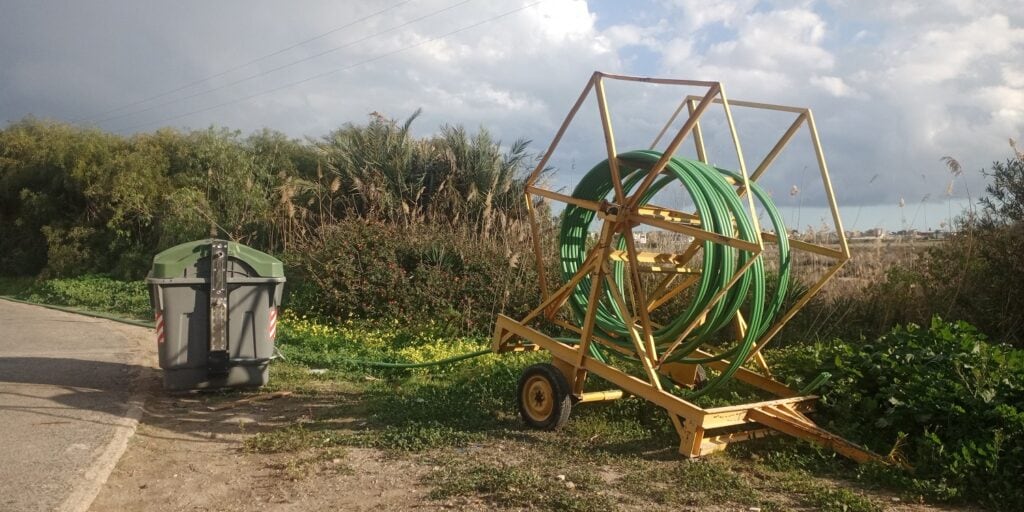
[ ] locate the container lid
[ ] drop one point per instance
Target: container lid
(182, 260)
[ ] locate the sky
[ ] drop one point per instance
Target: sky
(894, 85)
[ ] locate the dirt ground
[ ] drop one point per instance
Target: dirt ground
(185, 457)
(190, 455)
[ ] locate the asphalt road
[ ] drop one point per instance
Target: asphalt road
(70, 397)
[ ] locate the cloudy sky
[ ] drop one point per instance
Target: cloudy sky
(894, 85)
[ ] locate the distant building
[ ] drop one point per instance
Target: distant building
(870, 235)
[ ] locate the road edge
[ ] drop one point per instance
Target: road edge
(95, 477)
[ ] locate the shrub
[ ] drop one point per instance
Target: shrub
(952, 402)
(979, 277)
(369, 270)
(96, 293)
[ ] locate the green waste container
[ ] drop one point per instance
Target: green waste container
(215, 304)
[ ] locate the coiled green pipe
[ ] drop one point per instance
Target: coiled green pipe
(721, 211)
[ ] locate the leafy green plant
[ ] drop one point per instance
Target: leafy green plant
(95, 293)
(942, 398)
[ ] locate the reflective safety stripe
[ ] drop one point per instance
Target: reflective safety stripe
(160, 326)
(272, 329)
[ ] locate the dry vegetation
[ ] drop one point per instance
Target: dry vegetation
(403, 249)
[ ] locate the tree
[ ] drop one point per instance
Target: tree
(1005, 201)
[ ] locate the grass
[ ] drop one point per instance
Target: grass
(839, 500)
(461, 420)
(544, 475)
(519, 486)
(92, 293)
(13, 286)
(698, 483)
(290, 439)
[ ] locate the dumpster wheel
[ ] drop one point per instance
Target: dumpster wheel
(544, 400)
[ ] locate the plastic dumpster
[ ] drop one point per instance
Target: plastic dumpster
(215, 304)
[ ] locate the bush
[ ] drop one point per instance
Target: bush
(951, 402)
(979, 277)
(369, 270)
(96, 293)
(79, 200)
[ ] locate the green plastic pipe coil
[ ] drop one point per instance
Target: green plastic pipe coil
(721, 211)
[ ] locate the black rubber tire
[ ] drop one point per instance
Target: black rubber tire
(562, 399)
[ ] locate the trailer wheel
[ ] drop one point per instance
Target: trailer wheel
(544, 400)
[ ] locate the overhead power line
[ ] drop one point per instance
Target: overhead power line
(240, 66)
(284, 66)
(333, 71)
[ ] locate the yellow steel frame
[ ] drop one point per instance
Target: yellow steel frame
(701, 430)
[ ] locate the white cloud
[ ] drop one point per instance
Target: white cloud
(954, 51)
(833, 85)
(913, 13)
(619, 36)
(772, 51)
(782, 40)
(878, 9)
(894, 84)
(947, 85)
(1013, 75)
(566, 20)
(700, 13)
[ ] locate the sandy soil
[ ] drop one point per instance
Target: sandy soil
(187, 457)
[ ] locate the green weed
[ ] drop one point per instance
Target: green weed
(519, 485)
(693, 483)
(15, 286)
(942, 398)
(94, 293)
(839, 500)
(413, 436)
(292, 438)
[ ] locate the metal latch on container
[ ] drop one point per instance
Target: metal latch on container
(218, 355)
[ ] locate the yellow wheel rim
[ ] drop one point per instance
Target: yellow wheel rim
(538, 398)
